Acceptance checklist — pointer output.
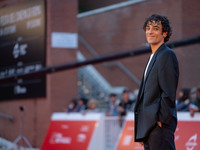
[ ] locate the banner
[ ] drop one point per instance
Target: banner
(187, 135)
(66, 135)
(22, 48)
(73, 131)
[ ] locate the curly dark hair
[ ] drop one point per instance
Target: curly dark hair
(186, 94)
(165, 24)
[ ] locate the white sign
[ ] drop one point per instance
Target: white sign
(64, 40)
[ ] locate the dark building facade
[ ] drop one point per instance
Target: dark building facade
(60, 17)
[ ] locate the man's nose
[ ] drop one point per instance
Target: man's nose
(150, 30)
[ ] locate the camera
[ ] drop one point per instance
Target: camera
(22, 108)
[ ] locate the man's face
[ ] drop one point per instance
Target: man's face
(112, 99)
(198, 94)
(126, 96)
(154, 33)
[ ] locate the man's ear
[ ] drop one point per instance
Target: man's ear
(165, 34)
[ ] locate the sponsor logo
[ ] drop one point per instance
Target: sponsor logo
(127, 140)
(19, 50)
(177, 137)
(58, 138)
(130, 128)
(84, 129)
(190, 145)
(64, 126)
(81, 138)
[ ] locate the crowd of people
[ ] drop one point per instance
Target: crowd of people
(119, 105)
(188, 101)
(83, 105)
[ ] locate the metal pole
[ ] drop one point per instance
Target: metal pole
(106, 58)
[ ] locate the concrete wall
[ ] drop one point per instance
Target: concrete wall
(60, 87)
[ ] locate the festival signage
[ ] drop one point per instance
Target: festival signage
(66, 135)
(187, 135)
(74, 131)
(126, 138)
(22, 48)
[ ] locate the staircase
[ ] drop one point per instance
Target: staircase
(91, 84)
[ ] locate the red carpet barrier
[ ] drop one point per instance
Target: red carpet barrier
(187, 135)
(74, 131)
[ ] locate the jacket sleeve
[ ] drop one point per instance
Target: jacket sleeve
(168, 75)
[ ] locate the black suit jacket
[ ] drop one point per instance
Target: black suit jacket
(157, 94)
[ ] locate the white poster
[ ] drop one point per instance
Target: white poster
(64, 40)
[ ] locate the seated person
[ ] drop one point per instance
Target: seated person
(195, 107)
(92, 106)
(81, 107)
(184, 101)
(72, 107)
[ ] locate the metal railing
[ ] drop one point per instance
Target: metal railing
(9, 117)
(112, 132)
(117, 63)
(105, 58)
(93, 85)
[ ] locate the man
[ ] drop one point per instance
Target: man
(155, 109)
(197, 100)
(124, 106)
(113, 105)
(196, 106)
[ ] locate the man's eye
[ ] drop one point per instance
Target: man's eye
(147, 28)
(155, 29)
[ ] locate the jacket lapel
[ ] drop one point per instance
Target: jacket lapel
(141, 87)
(150, 67)
(153, 60)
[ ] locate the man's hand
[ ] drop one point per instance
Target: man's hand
(193, 108)
(159, 124)
(120, 109)
(141, 143)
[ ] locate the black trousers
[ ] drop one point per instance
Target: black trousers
(160, 138)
